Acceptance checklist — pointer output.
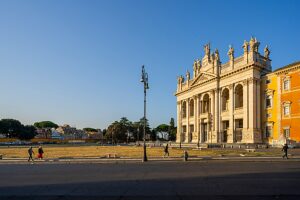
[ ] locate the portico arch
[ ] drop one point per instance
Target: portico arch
(205, 103)
(238, 96)
(225, 99)
(183, 110)
(191, 107)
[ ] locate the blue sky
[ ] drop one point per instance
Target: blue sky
(79, 62)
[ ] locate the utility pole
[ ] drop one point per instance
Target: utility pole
(144, 80)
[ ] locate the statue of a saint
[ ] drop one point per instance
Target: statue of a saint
(188, 75)
(231, 52)
(217, 55)
(252, 44)
(207, 49)
(267, 52)
(245, 46)
(256, 45)
(195, 66)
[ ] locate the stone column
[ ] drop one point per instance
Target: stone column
(187, 121)
(231, 115)
(248, 138)
(179, 129)
(199, 120)
(217, 114)
(245, 105)
(258, 134)
(196, 117)
(211, 117)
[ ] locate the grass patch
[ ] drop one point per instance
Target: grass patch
(125, 151)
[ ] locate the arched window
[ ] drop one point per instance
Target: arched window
(238, 96)
(191, 108)
(225, 99)
(205, 102)
(183, 110)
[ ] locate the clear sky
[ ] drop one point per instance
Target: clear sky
(79, 62)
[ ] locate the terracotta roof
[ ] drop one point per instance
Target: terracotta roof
(287, 66)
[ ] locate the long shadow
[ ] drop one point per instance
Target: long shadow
(141, 185)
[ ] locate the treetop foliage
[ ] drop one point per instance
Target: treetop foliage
(45, 124)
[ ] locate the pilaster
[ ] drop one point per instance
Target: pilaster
(231, 115)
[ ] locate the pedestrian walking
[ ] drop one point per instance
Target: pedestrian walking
(285, 150)
(30, 152)
(166, 150)
(185, 155)
(41, 152)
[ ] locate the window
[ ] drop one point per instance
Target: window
(286, 110)
(286, 84)
(269, 130)
(268, 81)
(269, 101)
(286, 132)
(184, 129)
(191, 128)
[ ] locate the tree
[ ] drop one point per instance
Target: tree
(163, 130)
(116, 132)
(45, 124)
(90, 129)
(10, 127)
(172, 130)
(14, 129)
(27, 133)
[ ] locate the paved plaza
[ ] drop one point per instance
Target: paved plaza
(152, 180)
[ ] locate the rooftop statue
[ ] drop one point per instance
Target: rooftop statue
(267, 52)
(231, 52)
(217, 55)
(188, 75)
(245, 46)
(207, 49)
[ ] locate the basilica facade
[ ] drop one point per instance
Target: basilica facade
(221, 103)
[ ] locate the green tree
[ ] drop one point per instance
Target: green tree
(10, 127)
(27, 133)
(90, 129)
(45, 124)
(14, 129)
(172, 130)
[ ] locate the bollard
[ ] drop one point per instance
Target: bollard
(185, 156)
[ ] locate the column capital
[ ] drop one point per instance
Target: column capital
(252, 80)
(230, 86)
(244, 82)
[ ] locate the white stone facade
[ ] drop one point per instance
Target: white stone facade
(220, 103)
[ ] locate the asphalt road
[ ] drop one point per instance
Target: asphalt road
(152, 180)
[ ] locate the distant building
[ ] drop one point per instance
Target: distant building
(70, 133)
(95, 134)
(44, 133)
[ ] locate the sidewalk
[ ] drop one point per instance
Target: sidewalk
(159, 159)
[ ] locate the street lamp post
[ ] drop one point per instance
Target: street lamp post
(144, 80)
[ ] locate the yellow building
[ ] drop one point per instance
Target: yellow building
(270, 107)
(281, 105)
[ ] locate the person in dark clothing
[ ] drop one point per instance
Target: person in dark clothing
(40, 151)
(166, 150)
(30, 152)
(285, 150)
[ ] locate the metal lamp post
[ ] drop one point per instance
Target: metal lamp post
(144, 80)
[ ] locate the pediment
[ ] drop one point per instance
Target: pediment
(202, 77)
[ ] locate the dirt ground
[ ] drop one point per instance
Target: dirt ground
(131, 151)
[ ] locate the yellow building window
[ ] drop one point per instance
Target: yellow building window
(286, 84)
(286, 110)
